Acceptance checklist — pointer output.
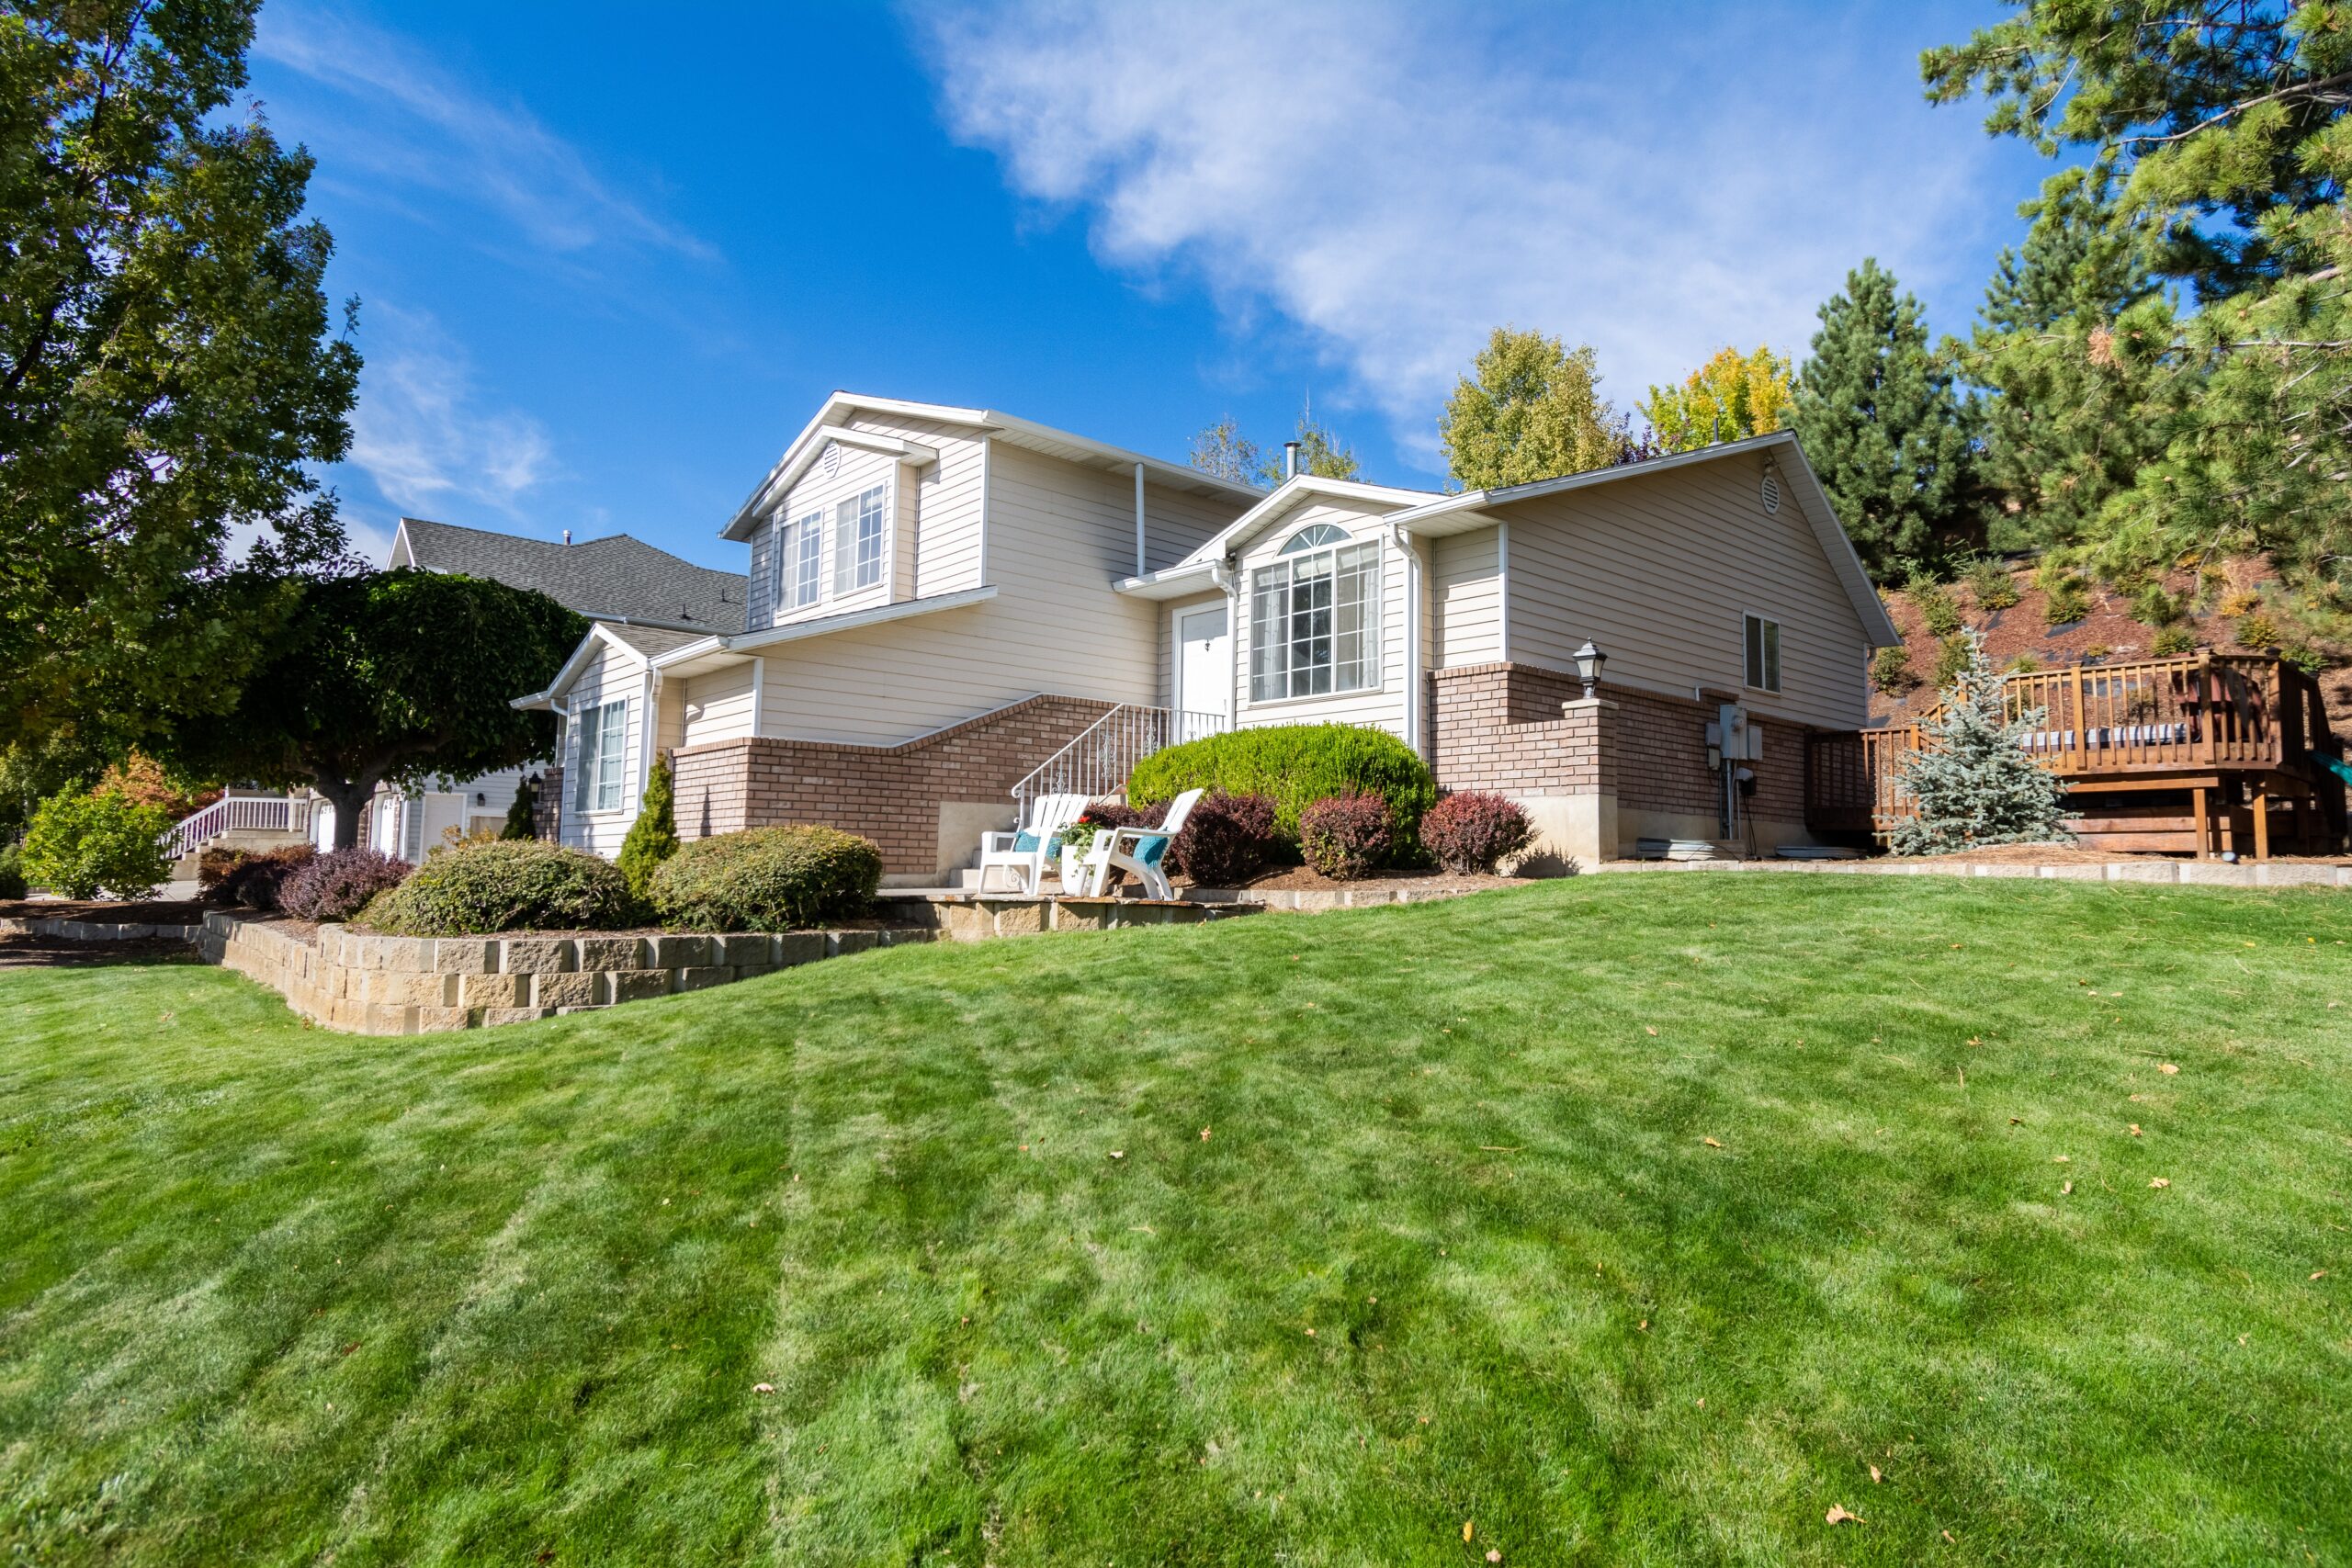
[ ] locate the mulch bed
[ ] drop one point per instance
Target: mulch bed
(1303, 879)
(55, 953)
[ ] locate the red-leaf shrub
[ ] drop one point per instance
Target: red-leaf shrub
(1472, 830)
(1225, 840)
(1345, 835)
(336, 887)
(257, 880)
(214, 864)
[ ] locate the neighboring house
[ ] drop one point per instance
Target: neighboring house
(624, 586)
(942, 601)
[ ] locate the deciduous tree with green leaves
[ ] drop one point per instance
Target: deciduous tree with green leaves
(2225, 123)
(168, 377)
(1881, 423)
(1221, 449)
(1731, 397)
(388, 677)
(1529, 409)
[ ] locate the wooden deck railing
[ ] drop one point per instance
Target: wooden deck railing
(2205, 710)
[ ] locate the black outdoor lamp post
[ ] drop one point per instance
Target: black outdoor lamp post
(1588, 663)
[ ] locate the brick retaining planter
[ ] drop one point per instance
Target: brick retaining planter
(393, 985)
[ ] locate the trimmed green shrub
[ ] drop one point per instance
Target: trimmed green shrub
(12, 871)
(1344, 836)
(81, 844)
(1935, 603)
(2172, 641)
(339, 884)
(505, 885)
(254, 881)
(1295, 765)
(1952, 660)
(2067, 599)
(768, 879)
(523, 813)
(1472, 830)
(653, 837)
(2256, 632)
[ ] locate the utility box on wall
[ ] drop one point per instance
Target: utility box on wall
(1733, 739)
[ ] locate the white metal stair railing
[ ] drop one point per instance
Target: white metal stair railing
(266, 813)
(1098, 761)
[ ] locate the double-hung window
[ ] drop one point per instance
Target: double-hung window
(857, 541)
(604, 747)
(1315, 618)
(799, 560)
(1763, 641)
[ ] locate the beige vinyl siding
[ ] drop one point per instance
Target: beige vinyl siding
(1175, 524)
(1060, 534)
(1170, 612)
(1466, 598)
(615, 674)
(946, 546)
(1383, 706)
(718, 706)
(1658, 571)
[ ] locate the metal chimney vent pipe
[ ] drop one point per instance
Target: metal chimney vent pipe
(1290, 459)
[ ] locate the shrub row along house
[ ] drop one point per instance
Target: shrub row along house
(948, 609)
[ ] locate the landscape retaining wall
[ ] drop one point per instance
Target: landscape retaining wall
(392, 984)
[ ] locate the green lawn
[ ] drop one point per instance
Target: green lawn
(1626, 1219)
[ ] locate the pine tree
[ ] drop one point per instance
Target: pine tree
(523, 815)
(1973, 779)
(2074, 344)
(1881, 423)
(653, 837)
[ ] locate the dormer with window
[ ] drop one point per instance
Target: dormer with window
(841, 535)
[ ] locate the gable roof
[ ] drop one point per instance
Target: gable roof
(1292, 493)
(617, 578)
(1455, 513)
(842, 406)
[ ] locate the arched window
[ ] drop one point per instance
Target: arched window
(1315, 618)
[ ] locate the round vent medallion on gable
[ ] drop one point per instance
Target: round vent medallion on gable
(1771, 490)
(831, 463)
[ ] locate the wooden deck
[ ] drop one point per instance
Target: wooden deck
(2195, 755)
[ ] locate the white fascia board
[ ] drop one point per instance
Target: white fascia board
(805, 451)
(597, 636)
(536, 700)
(742, 644)
(1293, 491)
(1169, 581)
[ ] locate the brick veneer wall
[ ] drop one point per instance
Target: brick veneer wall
(1500, 727)
(890, 793)
(546, 811)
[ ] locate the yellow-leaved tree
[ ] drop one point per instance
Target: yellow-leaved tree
(1731, 397)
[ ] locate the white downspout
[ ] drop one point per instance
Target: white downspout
(1502, 584)
(1230, 581)
(650, 732)
(758, 693)
(988, 445)
(1413, 671)
(1140, 566)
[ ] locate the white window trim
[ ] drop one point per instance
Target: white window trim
(590, 785)
(1375, 631)
(1777, 660)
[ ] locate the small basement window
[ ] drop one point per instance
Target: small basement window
(1763, 639)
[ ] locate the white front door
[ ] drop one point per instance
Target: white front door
(1204, 661)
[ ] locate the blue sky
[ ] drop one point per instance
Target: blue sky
(607, 270)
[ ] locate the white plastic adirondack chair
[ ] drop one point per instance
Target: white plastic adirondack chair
(1024, 854)
(1139, 852)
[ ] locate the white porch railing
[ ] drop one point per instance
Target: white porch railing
(1098, 761)
(277, 813)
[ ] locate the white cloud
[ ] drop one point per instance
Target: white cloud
(399, 120)
(1397, 183)
(419, 433)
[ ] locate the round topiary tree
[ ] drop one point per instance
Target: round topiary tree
(1295, 765)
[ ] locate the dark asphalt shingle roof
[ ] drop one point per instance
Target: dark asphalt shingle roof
(613, 577)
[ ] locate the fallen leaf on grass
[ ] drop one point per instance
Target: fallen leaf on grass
(1465, 1530)
(2135, 1129)
(2160, 1181)
(1649, 1029)
(2168, 1069)
(1205, 1135)
(1118, 1154)
(2065, 1189)
(2319, 1273)
(2060, 1159)
(1949, 1536)
(1838, 1515)
(1493, 1556)
(1875, 1477)
(763, 1388)
(1712, 1145)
